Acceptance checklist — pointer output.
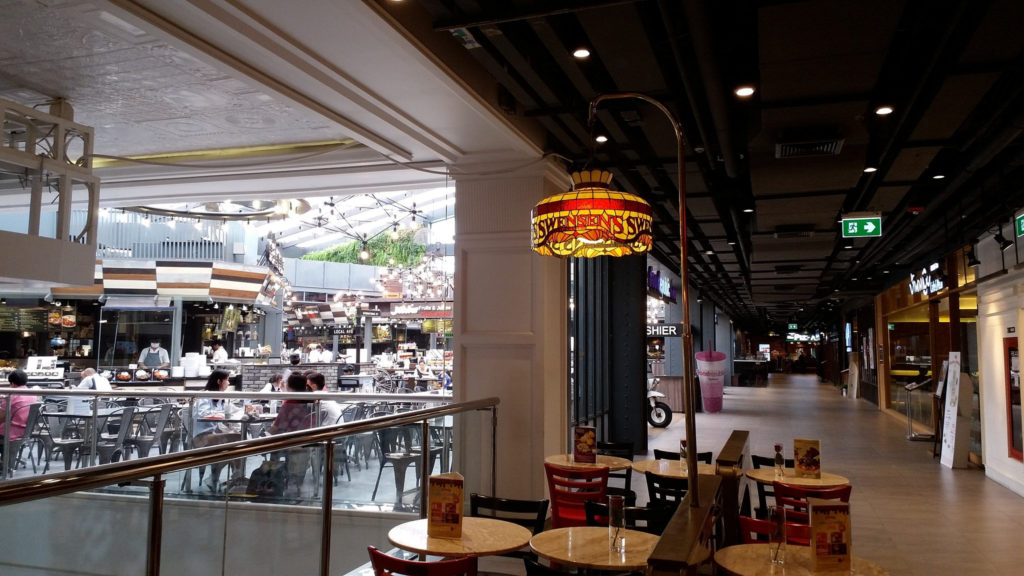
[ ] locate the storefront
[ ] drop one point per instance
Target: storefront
(918, 323)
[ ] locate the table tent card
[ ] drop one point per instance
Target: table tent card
(807, 457)
(583, 441)
(831, 542)
(445, 501)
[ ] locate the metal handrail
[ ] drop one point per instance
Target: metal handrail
(34, 488)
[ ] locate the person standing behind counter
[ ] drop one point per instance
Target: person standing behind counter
(220, 355)
(154, 356)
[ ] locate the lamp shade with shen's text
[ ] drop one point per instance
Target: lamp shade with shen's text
(591, 220)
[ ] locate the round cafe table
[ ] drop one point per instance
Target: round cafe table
(752, 560)
(589, 547)
(612, 463)
(672, 468)
(480, 537)
(827, 480)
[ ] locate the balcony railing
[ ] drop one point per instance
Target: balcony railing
(287, 491)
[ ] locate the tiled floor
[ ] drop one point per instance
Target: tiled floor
(911, 515)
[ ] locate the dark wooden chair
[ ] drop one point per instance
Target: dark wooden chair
(666, 490)
(619, 450)
(652, 518)
(764, 491)
(384, 565)
(704, 457)
(530, 514)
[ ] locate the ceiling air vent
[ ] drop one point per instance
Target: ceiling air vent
(809, 142)
(786, 269)
(794, 231)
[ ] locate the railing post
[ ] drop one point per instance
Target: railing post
(424, 466)
(7, 439)
(156, 524)
(494, 450)
(328, 508)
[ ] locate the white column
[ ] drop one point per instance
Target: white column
(510, 328)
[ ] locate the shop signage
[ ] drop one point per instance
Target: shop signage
(438, 310)
(341, 331)
(664, 330)
(794, 327)
(369, 313)
(798, 337)
(1019, 222)
(927, 281)
(862, 225)
(660, 286)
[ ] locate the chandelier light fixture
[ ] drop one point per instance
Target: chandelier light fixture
(591, 220)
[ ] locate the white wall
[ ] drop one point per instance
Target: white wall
(510, 332)
(98, 534)
(1000, 305)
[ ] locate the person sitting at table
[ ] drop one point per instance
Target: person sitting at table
(295, 415)
(19, 406)
(330, 410)
(209, 432)
(274, 384)
(90, 381)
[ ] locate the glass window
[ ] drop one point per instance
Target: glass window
(124, 333)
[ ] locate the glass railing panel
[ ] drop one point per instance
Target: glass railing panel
(81, 533)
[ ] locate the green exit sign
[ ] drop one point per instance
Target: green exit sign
(1020, 224)
(862, 226)
(794, 327)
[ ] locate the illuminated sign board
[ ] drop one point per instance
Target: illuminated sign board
(798, 337)
(660, 286)
(927, 281)
(794, 327)
(862, 225)
(664, 330)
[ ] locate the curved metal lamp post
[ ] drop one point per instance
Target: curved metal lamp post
(688, 391)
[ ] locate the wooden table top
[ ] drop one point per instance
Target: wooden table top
(480, 537)
(827, 480)
(589, 547)
(673, 468)
(610, 462)
(752, 560)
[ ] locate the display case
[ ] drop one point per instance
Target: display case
(124, 332)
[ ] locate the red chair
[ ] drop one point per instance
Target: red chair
(384, 565)
(570, 488)
(794, 498)
(754, 530)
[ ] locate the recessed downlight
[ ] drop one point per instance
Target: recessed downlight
(938, 177)
(748, 210)
(883, 110)
(581, 53)
(601, 139)
(870, 169)
(744, 91)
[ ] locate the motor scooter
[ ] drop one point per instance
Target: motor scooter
(659, 414)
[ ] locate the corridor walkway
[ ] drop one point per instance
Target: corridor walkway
(910, 514)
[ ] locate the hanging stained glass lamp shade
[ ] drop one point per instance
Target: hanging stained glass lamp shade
(591, 220)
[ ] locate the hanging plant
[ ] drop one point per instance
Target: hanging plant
(405, 251)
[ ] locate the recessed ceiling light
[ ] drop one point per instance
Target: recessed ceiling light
(744, 91)
(709, 252)
(732, 242)
(883, 110)
(748, 210)
(938, 177)
(601, 139)
(581, 53)
(848, 247)
(870, 169)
